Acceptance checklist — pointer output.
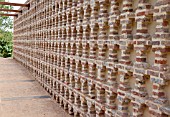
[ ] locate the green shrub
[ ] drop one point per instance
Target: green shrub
(6, 24)
(6, 44)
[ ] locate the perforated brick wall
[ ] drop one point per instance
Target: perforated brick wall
(99, 58)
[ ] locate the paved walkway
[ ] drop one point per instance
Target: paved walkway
(22, 96)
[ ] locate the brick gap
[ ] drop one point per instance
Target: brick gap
(102, 73)
(64, 48)
(106, 74)
(119, 54)
(169, 22)
(106, 51)
(168, 59)
(150, 57)
(69, 32)
(120, 5)
(87, 66)
(59, 47)
(74, 34)
(118, 78)
(132, 55)
(135, 4)
(97, 5)
(88, 30)
(130, 108)
(100, 95)
(152, 27)
(132, 82)
(89, 10)
(148, 85)
(80, 49)
(153, 2)
(119, 29)
(69, 49)
(116, 102)
(64, 33)
(107, 30)
(88, 50)
(96, 70)
(146, 112)
(109, 6)
(134, 27)
(167, 91)
(81, 14)
(74, 49)
(79, 67)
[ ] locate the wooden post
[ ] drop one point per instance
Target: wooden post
(14, 4)
(8, 14)
(10, 10)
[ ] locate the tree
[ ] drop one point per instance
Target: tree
(6, 44)
(6, 25)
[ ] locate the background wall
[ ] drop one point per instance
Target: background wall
(99, 57)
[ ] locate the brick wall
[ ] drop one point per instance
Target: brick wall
(100, 58)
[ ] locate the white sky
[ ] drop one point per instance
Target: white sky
(16, 7)
(17, 1)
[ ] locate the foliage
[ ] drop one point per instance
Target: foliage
(5, 34)
(6, 44)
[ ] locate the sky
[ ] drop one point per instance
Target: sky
(16, 7)
(17, 1)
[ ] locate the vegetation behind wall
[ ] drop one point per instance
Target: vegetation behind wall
(5, 34)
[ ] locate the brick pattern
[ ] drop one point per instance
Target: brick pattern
(99, 58)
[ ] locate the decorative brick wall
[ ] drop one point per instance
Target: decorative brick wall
(99, 58)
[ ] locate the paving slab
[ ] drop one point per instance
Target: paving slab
(22, 96)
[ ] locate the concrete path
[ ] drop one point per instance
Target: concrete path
(22, 96)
